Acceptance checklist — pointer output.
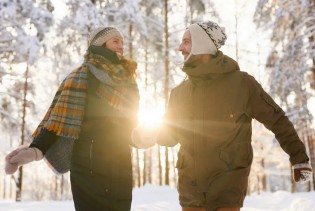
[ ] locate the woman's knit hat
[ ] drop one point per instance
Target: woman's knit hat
(206, 37)
(102, 34)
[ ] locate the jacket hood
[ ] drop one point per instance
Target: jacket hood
(218, 65)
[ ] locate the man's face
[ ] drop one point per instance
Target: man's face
(116, 44)
(185, 46)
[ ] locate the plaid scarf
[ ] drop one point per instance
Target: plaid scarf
(117, 87)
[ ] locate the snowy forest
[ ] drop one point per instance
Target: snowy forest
(43, 40)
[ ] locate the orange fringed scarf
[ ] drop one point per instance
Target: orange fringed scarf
(117, 87)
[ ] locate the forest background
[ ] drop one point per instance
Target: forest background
(43, 40)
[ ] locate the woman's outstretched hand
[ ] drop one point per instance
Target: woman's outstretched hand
(144, 137)
(20, 156)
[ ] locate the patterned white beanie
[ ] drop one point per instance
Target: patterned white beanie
(206, 37)
(102, 34)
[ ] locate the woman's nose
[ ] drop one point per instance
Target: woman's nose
(121, 46)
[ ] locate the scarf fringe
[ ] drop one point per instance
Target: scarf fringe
(65, 114)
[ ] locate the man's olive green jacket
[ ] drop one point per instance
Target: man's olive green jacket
(210, 114)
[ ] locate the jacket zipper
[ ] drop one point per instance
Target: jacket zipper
(193, 97)
(91, 153)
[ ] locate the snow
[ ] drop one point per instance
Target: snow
(164, 198)
(27, 44)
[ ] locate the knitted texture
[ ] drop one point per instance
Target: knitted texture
(58, 157)
(101, 35)
(206, 37)
(302, 172)
(215, 32)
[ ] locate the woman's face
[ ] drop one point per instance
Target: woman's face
(116, 44)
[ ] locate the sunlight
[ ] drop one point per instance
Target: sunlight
(151, 117)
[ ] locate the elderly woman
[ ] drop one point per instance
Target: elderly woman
(87, 127)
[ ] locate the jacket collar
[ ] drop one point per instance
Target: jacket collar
(220, 64)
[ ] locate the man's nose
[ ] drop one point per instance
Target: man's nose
(180, 47)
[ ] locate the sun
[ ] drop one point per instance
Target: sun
(151, 116)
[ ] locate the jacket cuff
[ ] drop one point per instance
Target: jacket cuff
(300, 158)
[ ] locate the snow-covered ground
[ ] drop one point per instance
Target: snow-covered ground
(153, 198)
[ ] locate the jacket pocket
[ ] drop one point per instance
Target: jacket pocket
(235, 115)
(238, 155)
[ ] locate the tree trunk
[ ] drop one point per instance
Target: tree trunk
(236, 32)
(62, 186)
(312, 40)
(150, 167)
(166, 82)
(144, 173)
(18, 192)
(137, 176)
(56, 188)
(160, 166)
(18, 196)
(293, 184)
(4, 188)
(138, 168)
(263, 177)
(130, 41)
(167, 167)
(174, 166)
(311, 144)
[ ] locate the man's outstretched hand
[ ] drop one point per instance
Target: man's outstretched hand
(302, 172)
